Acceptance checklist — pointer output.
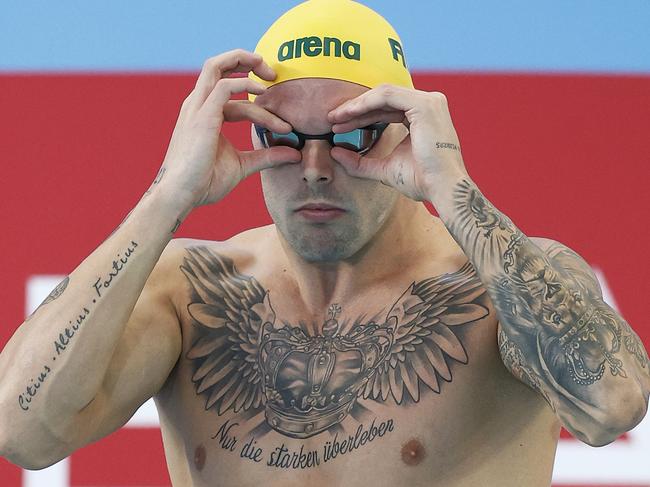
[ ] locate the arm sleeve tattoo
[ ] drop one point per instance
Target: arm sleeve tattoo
(556, 334)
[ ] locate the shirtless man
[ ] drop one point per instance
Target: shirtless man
(358, 340)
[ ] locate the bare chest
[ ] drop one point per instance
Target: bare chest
(399, 388)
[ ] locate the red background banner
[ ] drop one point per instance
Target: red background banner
(564, 156)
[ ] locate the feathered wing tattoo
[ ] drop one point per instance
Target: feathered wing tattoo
(226, 314)
(425, 343)
(244, 359)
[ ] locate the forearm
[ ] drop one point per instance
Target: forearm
(55, 363)
(556, 333)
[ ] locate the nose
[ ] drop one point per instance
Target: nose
(317, 164)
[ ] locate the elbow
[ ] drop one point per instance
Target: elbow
(24, 449)
(6, 447)
(27, 462)
(28, 458)
(24, 457)
(31, 463)
(611, 425)
(597, 437)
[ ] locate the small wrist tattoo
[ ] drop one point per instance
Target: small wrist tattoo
(447, 145)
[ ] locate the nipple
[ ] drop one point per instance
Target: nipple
(199, 457)
(413, 452)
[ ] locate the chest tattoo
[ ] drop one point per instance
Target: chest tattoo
(307, 380)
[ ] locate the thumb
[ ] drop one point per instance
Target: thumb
(360, 166)
(257, 160)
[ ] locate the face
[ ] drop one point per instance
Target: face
(322, 212)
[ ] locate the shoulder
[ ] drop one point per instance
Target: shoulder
(243, 249)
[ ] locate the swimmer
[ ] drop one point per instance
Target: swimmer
(358, 340)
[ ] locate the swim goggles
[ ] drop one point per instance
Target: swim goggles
(359, 140)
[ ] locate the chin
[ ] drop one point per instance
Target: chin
(322, 245)
(322, 255)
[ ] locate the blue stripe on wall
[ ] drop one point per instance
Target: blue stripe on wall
(449, 35)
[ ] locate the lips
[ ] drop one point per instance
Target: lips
(319, 206)
(320, 212)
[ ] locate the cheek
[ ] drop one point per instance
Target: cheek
(375, 201)
(281, 176)
(278, 184)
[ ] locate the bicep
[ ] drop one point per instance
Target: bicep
(142, 361)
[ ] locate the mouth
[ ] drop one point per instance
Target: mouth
(320, 212)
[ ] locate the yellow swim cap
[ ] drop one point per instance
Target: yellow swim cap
(337, 39)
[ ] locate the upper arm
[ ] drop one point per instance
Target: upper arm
(589, 365)
(566, 259)
(143, 358)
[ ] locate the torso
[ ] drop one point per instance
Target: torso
(368, 395)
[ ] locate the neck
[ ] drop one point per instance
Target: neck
(404, 235)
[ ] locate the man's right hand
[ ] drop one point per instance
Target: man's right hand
(104, 364)
(201, 165)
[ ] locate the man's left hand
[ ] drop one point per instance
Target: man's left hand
(425, 158)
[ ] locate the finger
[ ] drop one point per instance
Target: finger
(240, 110)
(226, 61)
(212, 110)
(261, 69)
(375, 116)
(257, 160)
(360, 166)
(384, 97)
(237, 60)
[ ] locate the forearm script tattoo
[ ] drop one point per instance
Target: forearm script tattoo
(308, 378)
(67, 333)
(556, 333)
